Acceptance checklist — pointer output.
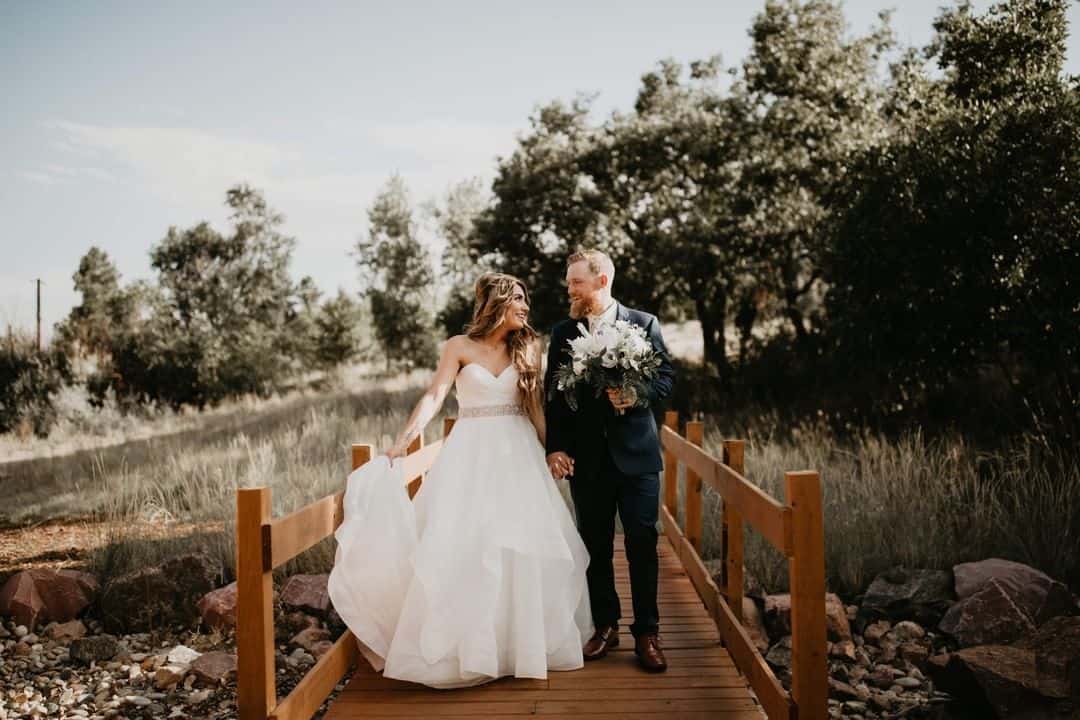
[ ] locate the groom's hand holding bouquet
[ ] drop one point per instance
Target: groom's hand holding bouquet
(614, 358)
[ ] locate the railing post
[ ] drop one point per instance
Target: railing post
(671, 469)
(806, 567)
(695, 433)
(414, 484)
(732, 534)
(256, 690)
(448, 425)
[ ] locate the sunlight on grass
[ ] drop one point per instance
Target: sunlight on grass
(907, 502)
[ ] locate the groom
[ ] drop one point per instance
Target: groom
(613, 462)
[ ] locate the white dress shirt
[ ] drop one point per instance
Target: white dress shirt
(607, 316)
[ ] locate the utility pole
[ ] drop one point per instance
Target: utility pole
(39, 314)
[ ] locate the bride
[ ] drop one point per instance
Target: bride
(483, 574)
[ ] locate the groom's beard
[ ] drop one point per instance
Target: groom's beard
(584, 306)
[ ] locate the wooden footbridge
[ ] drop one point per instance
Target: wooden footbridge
(714, 670)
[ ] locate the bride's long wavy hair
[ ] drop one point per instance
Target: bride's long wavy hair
(494, 291)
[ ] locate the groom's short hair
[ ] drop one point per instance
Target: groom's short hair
(599, 262)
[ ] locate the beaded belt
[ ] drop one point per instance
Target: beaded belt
(490, 411)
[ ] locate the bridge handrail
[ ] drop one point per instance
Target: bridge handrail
(796, 528)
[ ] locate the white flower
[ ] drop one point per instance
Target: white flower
(579, 366)
(609, 339)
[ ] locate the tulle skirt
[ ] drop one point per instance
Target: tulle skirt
(481, 576)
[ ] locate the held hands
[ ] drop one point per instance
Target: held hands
(560, 464)
(620, 400)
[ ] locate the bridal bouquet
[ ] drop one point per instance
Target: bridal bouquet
(615, 355)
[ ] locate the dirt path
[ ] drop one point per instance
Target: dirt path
(60, 544)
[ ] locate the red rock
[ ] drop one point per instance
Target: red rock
(307, 593)
(307, 639)
(836, 619)
(1036, 593)
(66, 632)
(1057, 656)
(218, 607)
(66, 593)
(755, 626)
(19, 598)
(43, 594)
(214, 667)
(988, 617)
(778, 616)
(998, 679)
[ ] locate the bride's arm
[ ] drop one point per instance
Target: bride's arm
(432, 400)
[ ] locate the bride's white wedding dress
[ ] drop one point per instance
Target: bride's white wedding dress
(483, 574)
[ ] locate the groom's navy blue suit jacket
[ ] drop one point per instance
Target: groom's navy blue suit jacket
(595, 428)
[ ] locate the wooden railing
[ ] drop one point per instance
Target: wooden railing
(264, 543)
(795, 528)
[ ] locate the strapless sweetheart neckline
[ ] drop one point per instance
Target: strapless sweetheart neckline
(490, 374)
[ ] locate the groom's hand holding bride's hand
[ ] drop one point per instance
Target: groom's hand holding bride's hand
(560, 465)
(620, 400)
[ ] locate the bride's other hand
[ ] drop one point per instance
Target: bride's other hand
(399, 449)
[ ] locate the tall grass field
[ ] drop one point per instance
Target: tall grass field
(907, 501)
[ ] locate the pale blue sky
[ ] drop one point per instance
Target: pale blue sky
(121, 119)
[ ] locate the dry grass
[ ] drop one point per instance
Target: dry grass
(916, 503)
(909, 501)
(305, 457)
(82, 427)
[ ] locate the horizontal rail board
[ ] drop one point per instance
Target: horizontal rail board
(765, 514)
(300, 530)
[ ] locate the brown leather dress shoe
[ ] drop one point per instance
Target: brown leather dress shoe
(604, 639)
(649, 654)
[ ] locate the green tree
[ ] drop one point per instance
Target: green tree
(543, 207)
(218, 322)
(397, 277)
(959, 252)
(455, 222)
(232, 295)
(29, 381)
(666, 175)
(814, 106)
(337, 331)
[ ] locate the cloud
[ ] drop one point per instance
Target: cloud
(54, 174)
(193, 167)
(182, 165)
(446, 143)
(39, 177)
(324, 191)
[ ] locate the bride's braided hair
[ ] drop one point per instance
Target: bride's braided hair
(494, 291)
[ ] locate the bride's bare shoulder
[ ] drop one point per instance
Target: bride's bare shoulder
(458, 346)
